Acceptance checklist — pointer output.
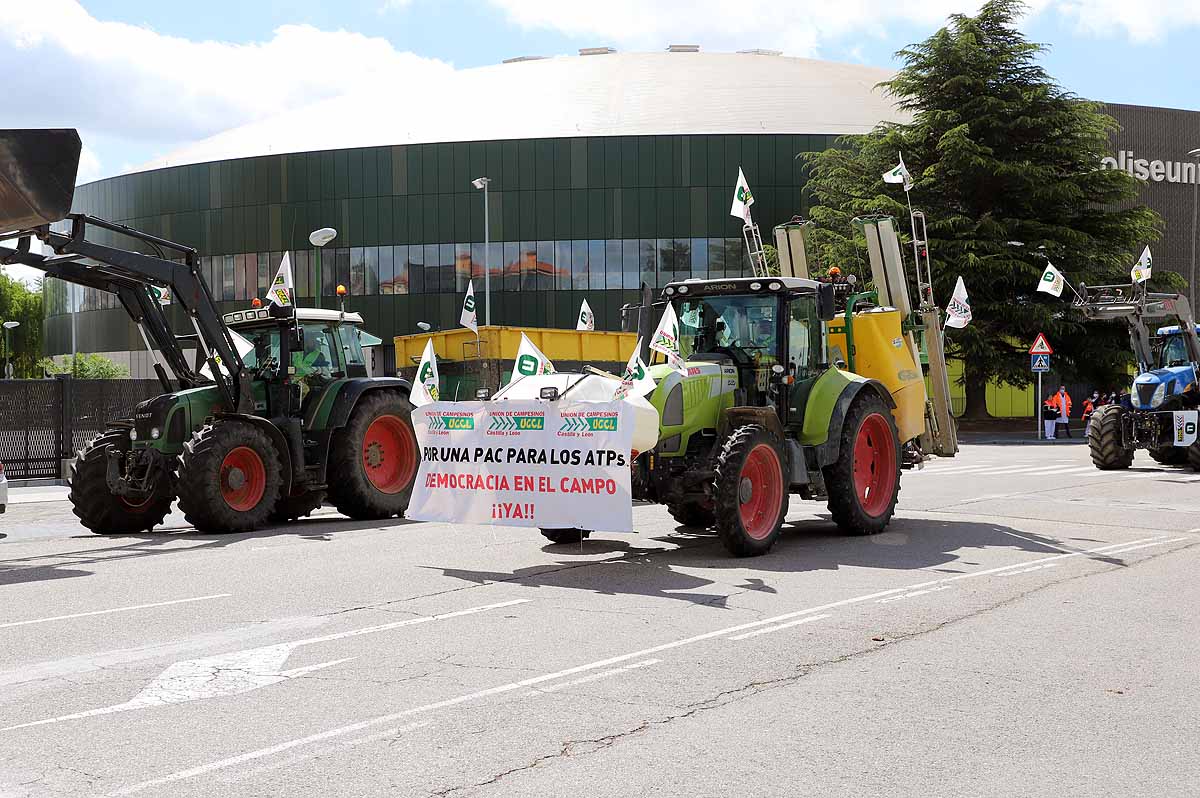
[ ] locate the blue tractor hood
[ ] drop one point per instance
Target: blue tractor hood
(1152, 388)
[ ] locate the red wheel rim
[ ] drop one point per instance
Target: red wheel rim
(760, 491)
(389, 454)
(243, 479)
(875, 465)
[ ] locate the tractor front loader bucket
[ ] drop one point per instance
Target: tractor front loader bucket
(37, 176)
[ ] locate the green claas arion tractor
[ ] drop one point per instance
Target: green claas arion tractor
(276, 412)
(789, 386)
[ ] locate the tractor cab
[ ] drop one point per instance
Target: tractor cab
(1173, 374)
(768, 331)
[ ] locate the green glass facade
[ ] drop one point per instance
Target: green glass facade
(570, 218)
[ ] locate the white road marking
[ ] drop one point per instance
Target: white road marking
(787, 625)
(392, 717)
(595, 677)
(1143, 546)
(913, 594)
(239, 671)
(1032, 568)
(114, 609)
(395, 731)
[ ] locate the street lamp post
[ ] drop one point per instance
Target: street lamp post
(1194, 155)
(319, 238)
(8, 369)
(482, 182)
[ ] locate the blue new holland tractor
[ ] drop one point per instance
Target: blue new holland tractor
(1165, 396)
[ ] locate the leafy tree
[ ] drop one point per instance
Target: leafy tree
(23, 304)
(1005, 165)
(86, 366)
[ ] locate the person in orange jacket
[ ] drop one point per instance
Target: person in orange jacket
(1089, 407)
(1061, 402)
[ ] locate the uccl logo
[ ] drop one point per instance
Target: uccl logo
(1184, 429)
(451, 422)
(523, 421)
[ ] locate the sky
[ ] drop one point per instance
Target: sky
(142, 78)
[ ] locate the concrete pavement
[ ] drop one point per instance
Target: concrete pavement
(1022, 628)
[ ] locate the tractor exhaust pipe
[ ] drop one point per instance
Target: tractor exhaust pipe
(37, 177)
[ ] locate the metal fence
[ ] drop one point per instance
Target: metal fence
(43, 422)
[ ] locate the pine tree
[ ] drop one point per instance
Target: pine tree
(1006, 167)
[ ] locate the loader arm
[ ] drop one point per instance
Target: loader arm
(1137, 307)
(37, 185)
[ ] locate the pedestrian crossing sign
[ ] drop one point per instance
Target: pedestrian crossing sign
(1039, 364)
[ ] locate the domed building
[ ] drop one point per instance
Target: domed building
(605, 170)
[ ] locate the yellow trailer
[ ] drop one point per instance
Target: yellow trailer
(501, 343)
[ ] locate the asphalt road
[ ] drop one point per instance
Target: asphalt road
(1025, 627)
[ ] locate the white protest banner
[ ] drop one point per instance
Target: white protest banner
(587, 319)
(666, 339)
(467, 317)
(280, 292)
(525, 463)
(958, 312)
(425, 386)
(1142, 270)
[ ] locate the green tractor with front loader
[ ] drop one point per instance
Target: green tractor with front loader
(275, 414)
(791, 385)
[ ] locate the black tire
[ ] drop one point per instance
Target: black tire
(1170, 455)
(1105, 440)
(565, 535)
(290, 508)
(863, 504)
(101, 511)
(693, 514)
(229, 477)
(750, 481)
(367, 479)
(1193, 456)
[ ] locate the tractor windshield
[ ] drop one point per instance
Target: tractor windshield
(266, 345)
(742, 325)
(1173, 352)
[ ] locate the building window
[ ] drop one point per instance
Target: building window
(595, 265)
(387, 270)
(371, 259)
(612, 263)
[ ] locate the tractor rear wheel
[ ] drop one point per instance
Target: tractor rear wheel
(1106, 440)
(373, 461)
(864, 483)
(750, 497)
(1170, 455)
(229, 477)
(693, 514)
(102, 511)
(298, 505)
(565, 535)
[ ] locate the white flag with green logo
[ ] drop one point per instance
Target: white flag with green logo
(587, 319)
(958, 312)
(666, 339)
(280, 292)
(636, 380)
(425, 386)
(530, 361)
(1140, 273)
(468, 317)
(1052, 281)
(899, 174)
(742, 198)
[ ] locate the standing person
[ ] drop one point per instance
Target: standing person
(1062, 403)
(1049, 417)
(1089, 406)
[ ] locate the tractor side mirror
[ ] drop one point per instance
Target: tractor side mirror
(825, 308)
(482, 394)
(549, 393)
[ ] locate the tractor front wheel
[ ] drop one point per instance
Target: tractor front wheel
(750, 497)
(693, 514)
(229, 477)
(104, 512)
(373, 461)
(864, 483)
(1170, 455)
(1106, 441)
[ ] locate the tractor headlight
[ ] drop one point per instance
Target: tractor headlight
(1160, 393)
(132, 434)
(155, 433)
